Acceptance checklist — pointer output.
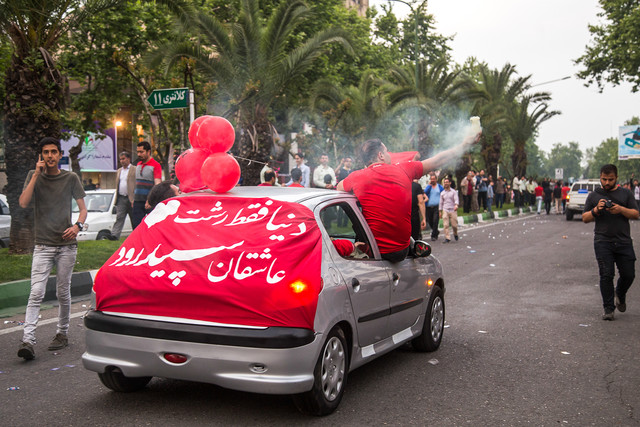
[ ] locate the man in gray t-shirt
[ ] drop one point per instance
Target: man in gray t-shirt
(49, 191)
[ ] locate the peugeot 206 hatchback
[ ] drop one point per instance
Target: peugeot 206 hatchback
(262, 289)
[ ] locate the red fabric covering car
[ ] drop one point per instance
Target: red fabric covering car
(218, 259)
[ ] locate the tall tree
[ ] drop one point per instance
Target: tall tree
(613, 56)
(566, 157)
(436, 89)
(352, 114)
(494, 92)
(254, 61)
(523, 125)
(34, 91)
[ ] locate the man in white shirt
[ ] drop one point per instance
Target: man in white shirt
(321, 171)
(126, 181)
(449, 210)
(306, 172)
(515, 186)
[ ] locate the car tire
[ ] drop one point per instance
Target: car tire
(104, 235)
(330, 377)
(433, 327)
(116, 381)
(569, 215)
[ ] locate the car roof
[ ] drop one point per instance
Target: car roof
(285, 194)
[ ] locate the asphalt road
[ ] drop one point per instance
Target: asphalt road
(524, 345)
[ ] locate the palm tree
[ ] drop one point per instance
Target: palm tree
(354, 111)
(435, 90)
(494, 93)
(523, 125)
(34, 91)
(255, 62)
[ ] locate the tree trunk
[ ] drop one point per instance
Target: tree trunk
(425, 144)
(519, 159)
(256, 143)
(491, 152)
(32, 111)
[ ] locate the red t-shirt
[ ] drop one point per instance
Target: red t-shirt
(565, 191)
(384, 191)
(265, 184)
(295, 184)
(538, 191)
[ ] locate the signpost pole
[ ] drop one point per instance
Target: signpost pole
(192, 108)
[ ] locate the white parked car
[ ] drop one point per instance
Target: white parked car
(5, 222)
(101, 215)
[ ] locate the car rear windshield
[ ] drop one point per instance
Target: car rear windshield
(589, 186)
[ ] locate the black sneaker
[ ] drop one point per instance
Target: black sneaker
(59, 342)
(26, 351)
(621, 306)
(446, 241)
(456, 237)
(607, 315)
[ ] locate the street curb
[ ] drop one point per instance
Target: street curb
(16, 294)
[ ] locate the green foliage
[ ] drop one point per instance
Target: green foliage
(614, 54)
(566, 156)
(91, 255)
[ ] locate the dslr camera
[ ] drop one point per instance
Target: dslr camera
(608, 204)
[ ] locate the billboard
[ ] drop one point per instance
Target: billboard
(629, 142)
(98, 152)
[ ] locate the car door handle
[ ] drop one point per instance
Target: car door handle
(395, 276)
(355, 283)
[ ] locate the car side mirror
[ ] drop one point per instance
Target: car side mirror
(114, 210)
(421, 249)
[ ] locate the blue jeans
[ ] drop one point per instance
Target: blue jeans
(44, 258)
(621, 255)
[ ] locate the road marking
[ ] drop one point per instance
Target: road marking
(41, 322)
(491, 224)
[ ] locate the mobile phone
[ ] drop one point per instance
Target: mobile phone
(41, 159)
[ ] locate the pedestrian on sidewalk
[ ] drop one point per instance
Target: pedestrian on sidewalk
(126, 182)
(432, 193)
(49, 191)
(611, 207)
(449, 210)
(490, 197)
(538, 192)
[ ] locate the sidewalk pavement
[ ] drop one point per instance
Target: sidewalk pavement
(14, 295)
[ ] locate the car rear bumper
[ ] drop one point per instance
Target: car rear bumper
(254, 360)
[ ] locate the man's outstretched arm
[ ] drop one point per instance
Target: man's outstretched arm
(444, 157)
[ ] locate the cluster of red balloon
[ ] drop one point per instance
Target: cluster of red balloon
(207, 163)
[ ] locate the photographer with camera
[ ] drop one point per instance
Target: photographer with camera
(611, 207)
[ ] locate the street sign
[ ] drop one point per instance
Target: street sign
(559, 173)
(167, 99)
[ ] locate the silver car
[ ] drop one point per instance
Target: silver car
(364, 306)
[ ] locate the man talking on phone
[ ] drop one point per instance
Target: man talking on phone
(49, 191)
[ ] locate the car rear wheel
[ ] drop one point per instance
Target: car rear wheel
(569, 215)
(330, 377)
(433, 327)
(116, 381)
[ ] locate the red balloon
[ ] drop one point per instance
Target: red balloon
(193, 131)
(188, 168)
(216, 134)
(220, 172)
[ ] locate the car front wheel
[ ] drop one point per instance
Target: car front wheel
(433, 327)
(116, 381)
(330, 377)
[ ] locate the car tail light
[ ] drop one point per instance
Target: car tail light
(429, 283)
(298, 287)
(175, 358)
